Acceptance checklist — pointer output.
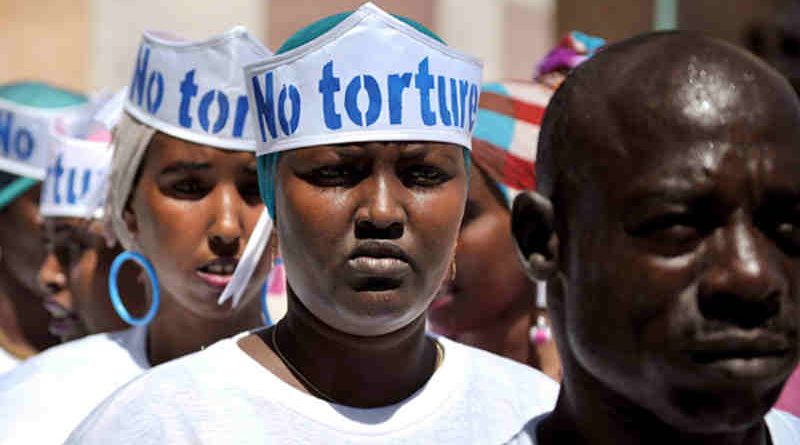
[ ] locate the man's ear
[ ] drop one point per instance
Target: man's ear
(532, 225)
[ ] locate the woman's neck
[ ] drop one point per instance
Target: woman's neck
(176, 332)
(364, 372)
(506, 335)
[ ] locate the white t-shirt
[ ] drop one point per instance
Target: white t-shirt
(784, 428)
(44, 398)
(7, 361)
(222, 395)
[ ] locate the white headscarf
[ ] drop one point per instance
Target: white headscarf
(131, 139)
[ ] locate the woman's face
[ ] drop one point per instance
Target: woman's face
(22, 254)
(75, 274)
(367, 231)
(192, 212)
(489, 277)
(21, 239)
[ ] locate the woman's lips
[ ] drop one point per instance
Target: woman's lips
(379, 259)
(385, 267)
(214, 280)
(217, 273)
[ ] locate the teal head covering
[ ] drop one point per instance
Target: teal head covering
(267, 164)
(36, 95)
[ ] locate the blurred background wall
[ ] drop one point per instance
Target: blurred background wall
(90, 44)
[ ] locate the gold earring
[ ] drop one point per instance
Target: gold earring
(453, 270)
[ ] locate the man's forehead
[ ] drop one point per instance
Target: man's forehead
(677, 90)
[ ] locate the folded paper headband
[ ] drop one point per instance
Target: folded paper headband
(24, 136)
(195, 90)
(77, 177)
(372, 77)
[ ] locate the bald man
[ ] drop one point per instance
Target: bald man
(666, 224)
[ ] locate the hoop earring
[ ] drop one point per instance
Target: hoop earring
(113, 288)
(453, 270)
(264, 307)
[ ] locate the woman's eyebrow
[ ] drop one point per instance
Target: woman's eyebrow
(185, 166)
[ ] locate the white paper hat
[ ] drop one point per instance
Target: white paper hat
(195, 90)
(76, 184)
(372, 77)
(25, 136)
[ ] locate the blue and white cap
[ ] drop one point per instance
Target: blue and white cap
(25, 134)
(76, 184)
(194, 90)
(372, 77)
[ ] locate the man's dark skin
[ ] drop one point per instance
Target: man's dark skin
(666, 224)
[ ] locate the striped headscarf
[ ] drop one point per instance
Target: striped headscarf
(510, 114)
(504, 142)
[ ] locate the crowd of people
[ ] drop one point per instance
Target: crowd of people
(607, 253)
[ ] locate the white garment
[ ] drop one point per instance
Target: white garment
(7, 361)
(222, 395)
(784, 428)
(44, 398)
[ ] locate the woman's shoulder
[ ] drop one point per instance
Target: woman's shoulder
(497, 378)
(160, 396)
(485, 365)
(67, 359)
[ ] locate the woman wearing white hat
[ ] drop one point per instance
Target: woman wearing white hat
(183, 201)
(27, 110)
(364, 123)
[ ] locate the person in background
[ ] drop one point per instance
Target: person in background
(491, 304)
(80, 247)
(27, 109)
(367, 205)
(183, 200)
(665, 222)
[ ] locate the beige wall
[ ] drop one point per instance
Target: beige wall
(727, 19)
(287, 16)
(45, 40)
(89, 44)
(117, 26)
(610, 19)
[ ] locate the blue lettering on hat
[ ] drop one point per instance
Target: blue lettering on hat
(351, 100)
(328, 85)
(153, 80)
(454, 100)
(16, 141)
(423, 81)
(444, 113)
(397, 83)
(188, 90)
(222, 116)
(55, 172)
(241, 116)
(265, 107)
(473, 106)
(72, 197)
(294, 96)
(463, 89)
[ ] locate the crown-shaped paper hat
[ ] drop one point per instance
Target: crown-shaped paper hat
(27, 111)
(195, 90)
(372, 77)
(76, 184)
